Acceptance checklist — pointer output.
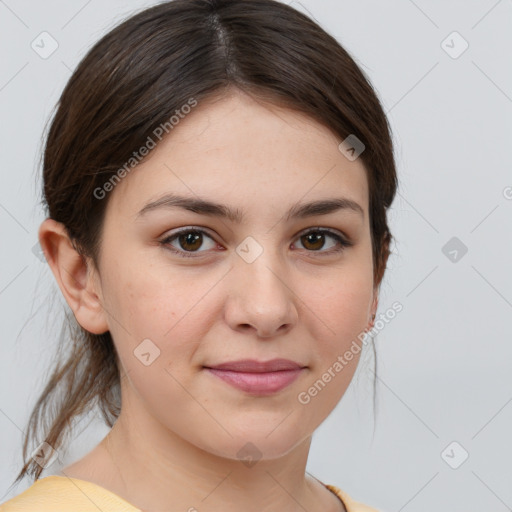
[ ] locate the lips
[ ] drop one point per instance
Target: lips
(253, 366)
(258, 377)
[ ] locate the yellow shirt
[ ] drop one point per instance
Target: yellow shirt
(62, 494)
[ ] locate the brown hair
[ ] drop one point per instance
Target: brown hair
(132, 81)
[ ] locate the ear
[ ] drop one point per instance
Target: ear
(373, 308)
(76, 276)
(382, 266)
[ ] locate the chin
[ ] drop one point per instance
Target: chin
(252, 445)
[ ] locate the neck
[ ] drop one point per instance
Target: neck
(154, 469)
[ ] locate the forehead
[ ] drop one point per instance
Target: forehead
(247, 153)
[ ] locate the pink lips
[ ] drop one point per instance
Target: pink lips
(255, 377)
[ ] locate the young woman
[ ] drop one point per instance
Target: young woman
(217, 177)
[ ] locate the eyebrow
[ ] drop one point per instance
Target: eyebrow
(204, 207)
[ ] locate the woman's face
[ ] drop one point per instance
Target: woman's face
(253, 287)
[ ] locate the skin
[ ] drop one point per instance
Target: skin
(175, 443)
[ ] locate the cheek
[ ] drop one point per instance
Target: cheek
(141, 298)
(339, 316)
(339, 307)
(156, 336)
(157, 306)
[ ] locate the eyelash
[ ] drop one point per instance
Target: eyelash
(344, 244)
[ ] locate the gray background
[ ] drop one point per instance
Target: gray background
(444, 362)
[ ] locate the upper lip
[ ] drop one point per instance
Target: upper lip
(253, 366)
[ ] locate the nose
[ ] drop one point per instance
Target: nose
(261, 298)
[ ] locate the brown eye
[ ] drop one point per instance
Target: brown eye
(191, 240)
(315, 239)
(188, 240)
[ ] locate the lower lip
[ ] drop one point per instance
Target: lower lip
(258, 383)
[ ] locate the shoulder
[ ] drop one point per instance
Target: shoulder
(62, 494)
(350, 504)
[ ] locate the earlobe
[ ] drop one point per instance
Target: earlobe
(75, 276)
